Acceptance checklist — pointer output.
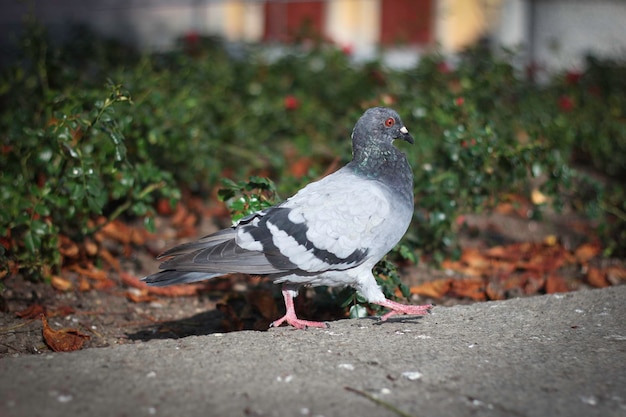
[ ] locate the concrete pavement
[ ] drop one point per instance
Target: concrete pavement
(554, 355)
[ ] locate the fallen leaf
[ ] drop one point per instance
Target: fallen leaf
(137, 236)
(68, 248)
(64, 340)
(60, 311)
(300, 167)
(495, 291)
(597, 277)
(615, 274)
(473, 288)
(434, 289)
(117, 230)
(550, 240)
(164, 208)
(104, 284)
(473, 258)
(83, 284)
(514, 282)
(110, 259)
(537, 197)
(61, 283)
(171, 291)
(556, 283)
(91, 248)
(139, 296)
(534, 283)
(91, 272)
(33, 311)
(587, 251)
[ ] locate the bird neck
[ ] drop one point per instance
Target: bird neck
(384, 163)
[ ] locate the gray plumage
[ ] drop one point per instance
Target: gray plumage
(332, 232)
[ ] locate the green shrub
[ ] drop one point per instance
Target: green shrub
(73, 150)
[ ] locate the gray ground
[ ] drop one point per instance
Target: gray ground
(557, 355)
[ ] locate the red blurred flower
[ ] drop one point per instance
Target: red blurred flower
(595, 90)
(572, 77)
(191, 38)
(443, 67)
(459, 101)
(566, 103)
(347, 49)
(291, 102)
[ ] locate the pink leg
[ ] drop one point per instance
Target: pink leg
(291, 318)
(397, 308)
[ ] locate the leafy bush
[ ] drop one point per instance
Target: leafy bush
(65, 162)
(73, 150)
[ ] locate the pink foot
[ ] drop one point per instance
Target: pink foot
(397, 308)
(291, 318)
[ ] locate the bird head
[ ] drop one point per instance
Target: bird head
(380, 125)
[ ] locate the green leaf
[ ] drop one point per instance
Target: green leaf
(358, 311)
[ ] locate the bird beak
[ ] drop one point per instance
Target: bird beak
(406, 136)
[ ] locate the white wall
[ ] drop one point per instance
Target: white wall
(566, 30)
(557, 33)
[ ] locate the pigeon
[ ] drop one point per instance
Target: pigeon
(332, 232)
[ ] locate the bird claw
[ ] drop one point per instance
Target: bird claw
(397, 308)
(299, 323)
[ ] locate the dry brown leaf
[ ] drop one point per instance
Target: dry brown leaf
(550, 240)
(83, 284)
(615, 274)
(91, 248)
(139, 296)
(171, 291)
(67, 248)
(537, 197)
(91, 272)
(110, 259)
(473, 288)
(64, 340)
(118, 231)
(104, 284)
(33, 311)
(473, 258)
(61, 311)
(495, 291)
(556, 283)
(163, 207)
(434, 289)
(534, 283)
(137, 236)
(597, 277)
(60, 283)
(300, 167)
(513, 282)
(545, 259)
(587, 251)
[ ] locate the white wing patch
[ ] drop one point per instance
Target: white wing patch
(343, 212)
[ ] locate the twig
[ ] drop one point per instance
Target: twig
(382, 403)
(17, 326)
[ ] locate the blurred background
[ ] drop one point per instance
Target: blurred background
(556, 34)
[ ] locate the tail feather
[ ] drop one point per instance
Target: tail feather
(203, 243)
(212, 256)
(171, 277)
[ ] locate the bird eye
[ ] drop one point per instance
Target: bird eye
(390, 122)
